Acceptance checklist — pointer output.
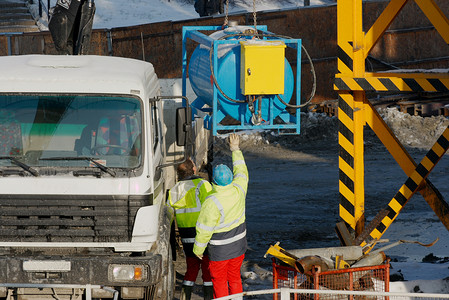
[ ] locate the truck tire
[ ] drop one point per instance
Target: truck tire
(165, 290)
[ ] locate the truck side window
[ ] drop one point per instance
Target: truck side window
(155, 125)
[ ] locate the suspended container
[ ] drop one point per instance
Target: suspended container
(249, 79)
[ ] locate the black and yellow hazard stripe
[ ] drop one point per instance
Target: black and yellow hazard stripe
(346, 158)
(410, 187)
(345, 61)
(394, 84)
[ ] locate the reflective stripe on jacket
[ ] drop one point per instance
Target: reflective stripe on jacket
(221, 223)
(186, 198)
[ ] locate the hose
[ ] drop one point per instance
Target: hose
(312, 93)
(211, 51)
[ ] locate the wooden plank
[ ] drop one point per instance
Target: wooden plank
(3, 45)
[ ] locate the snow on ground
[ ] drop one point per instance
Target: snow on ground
(117, 13)
(414, 131)
(113, 13)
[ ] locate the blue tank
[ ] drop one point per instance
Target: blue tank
(228, 79)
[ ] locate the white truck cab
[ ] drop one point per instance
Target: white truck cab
(82, 193)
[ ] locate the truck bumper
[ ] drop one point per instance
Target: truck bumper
(93, 270)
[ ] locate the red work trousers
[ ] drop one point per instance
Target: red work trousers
(226, 276)
(193, 267)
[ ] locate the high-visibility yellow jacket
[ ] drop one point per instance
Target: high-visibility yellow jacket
(186, 198)
(221, 224)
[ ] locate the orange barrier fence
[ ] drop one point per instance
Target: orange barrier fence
(373, 278)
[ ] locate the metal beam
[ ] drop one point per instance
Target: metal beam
(355, 111)
(382, 23)
(436, 16)
(429, 192)
(351, 62)
(394, 82)
(408, 189)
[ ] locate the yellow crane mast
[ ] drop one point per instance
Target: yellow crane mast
(355, 111)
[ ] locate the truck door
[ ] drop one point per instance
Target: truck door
(156, 150)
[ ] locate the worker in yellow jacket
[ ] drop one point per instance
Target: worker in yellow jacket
(221, 224)
(186, 198)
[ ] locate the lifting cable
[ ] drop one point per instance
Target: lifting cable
(254, 17)
(226, 15)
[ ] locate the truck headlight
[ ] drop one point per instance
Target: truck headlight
(127, 273)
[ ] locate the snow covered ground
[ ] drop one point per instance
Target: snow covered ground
(116, 13)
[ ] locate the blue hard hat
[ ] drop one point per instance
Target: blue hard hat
(222, 175)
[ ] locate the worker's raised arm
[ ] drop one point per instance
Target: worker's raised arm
(240, 170)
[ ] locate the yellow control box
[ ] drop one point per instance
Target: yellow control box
(262, 67)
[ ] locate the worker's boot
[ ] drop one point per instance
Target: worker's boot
(208, 292)
(186, 292)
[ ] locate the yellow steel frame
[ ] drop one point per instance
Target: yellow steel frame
(355, 112)
(411, 185)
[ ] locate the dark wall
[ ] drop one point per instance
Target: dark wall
(410, 42)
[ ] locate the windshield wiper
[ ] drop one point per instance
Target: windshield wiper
(21, 164)
(91, 159)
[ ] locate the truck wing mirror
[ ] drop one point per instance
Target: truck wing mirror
(183, 130)
(184, 126)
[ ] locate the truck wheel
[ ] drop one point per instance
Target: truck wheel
(165, 290)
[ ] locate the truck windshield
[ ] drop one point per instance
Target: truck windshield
(36, 128)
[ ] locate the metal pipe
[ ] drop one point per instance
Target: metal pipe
(115, 292)
(307, 265)
(88, 291)
(372, 259)
(349, 253)
(404, 241)
(8, 38)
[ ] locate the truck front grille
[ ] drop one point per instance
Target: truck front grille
(68, 218)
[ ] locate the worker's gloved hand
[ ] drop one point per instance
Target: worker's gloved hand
(234, 142)
(200, 256)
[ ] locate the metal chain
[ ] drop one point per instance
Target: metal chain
(226, 16)
(254, 16)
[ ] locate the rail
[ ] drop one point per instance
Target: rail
(285, 294)
(8, 36)
(42, 7)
